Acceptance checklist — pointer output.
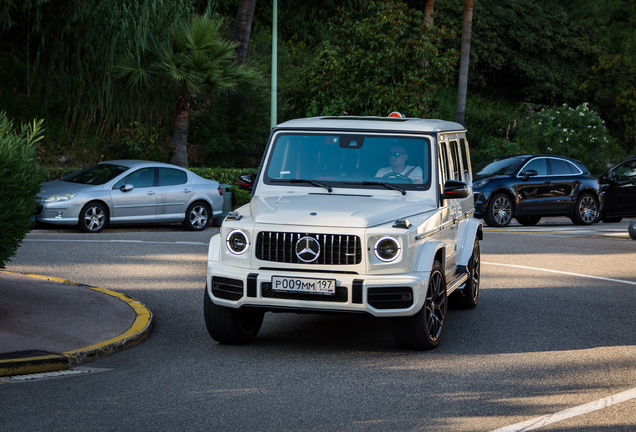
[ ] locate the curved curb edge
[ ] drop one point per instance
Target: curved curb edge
(137, 332)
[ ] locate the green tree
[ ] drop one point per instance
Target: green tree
(20, 181)
(192, 59)
(381, 59)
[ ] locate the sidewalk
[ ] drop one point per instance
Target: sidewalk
(49, 324)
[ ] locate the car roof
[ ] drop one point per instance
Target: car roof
(132, 163)
(374, 123)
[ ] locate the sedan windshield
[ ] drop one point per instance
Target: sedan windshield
(96, 174)
(350, 160)
(507, 166)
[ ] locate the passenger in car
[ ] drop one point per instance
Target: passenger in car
(398, 167)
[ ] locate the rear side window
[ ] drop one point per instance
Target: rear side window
(171, 177)
(563, 167)
(465, 160)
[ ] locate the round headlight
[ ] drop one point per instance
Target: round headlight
(387, 249)
(237, 242)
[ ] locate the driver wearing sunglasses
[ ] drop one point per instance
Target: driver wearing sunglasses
(398, 167)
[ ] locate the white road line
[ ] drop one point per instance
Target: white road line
(563, 272)
(596, 405)
(116, 241)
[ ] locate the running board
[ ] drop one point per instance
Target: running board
(456, 277)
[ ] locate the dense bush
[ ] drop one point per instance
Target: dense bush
(578, 133)
(19, 182)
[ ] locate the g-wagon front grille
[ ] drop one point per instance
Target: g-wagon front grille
(335, 249)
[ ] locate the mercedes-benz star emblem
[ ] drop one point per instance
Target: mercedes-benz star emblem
(307, 249)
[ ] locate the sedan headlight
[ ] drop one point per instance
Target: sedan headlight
(480, 184)
(237, 242)
(60, 197)
(387, 249)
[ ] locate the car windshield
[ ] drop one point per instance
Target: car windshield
(507, 166)
(96, 174)
(350, 160)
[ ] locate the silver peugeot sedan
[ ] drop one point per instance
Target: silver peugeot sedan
(129, 191)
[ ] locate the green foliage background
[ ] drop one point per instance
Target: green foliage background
(334, 57)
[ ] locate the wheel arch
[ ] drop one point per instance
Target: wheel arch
(430, 252)
(98, 201)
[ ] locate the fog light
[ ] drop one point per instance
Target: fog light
(58, 215)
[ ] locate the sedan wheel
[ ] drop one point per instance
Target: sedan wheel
(197, 217)
(423, 330)
(499, 211)
(92, 218)
(586, 210)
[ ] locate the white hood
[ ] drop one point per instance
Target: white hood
(334, 210)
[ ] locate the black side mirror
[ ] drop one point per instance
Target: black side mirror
(454, 189)
(529, 173)
(246, 181)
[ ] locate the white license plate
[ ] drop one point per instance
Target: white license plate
(304, 285)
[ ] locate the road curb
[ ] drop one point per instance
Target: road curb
(138, 331)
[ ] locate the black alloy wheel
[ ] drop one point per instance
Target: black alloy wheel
(423, 331)
(585, 210)
(499, 213)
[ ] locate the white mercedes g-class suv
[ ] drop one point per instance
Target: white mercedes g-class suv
(362, 215)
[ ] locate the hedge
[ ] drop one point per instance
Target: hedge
(20, 180)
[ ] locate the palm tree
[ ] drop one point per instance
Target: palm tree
(194, 58)
(460, 110)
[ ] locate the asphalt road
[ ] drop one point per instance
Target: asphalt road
(552, 342)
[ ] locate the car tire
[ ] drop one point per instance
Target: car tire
(423, 330)
(468, 297)
(611, 219)
(528, 220)
(197, 216)
(231, 326)
(585, 210)
(499, 212)
(93, 218)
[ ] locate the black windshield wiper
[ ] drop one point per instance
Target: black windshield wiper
(386, 185)
(311, 182)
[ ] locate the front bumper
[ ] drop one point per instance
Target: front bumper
(376, 295)
(57, 213)
(481, 203)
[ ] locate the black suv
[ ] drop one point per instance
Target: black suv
(528, 187)
(618, 185)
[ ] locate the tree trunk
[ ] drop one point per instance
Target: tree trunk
(429, 8)
(243, 28)
(462, 87)
(180, 132)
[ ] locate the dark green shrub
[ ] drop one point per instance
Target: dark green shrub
(228, 176)
(20, 180)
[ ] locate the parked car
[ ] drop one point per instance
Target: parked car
(529, 187)
(354, 215)
(618, 186)
(129, 191)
